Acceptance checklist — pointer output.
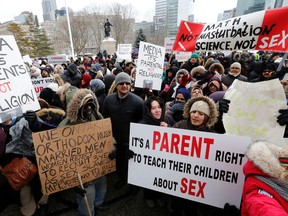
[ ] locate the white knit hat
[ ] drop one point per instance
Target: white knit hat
(201, 106)
(236, 65)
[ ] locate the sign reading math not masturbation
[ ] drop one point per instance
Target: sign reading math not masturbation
(150, 66)
(199, 166)
(64, 152)
(17, 94)
(263, 30)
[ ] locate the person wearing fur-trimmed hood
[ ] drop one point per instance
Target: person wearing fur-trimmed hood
(266, 186)
(82, 106)
(200, 114)
(204, 106)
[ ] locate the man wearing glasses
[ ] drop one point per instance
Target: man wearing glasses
(123, 107)
(234, 73)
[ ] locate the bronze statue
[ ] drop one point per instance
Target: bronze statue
(107, 28)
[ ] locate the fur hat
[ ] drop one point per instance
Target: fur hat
(200, 106)
(122, 78)
(236, 65)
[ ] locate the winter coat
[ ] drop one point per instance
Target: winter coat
(258, 198)
(228, 79)
(122, 112)
(72, 75)
(52, 116)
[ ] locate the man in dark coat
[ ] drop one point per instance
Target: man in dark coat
(123, 107)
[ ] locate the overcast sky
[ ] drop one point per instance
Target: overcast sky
(205, 10)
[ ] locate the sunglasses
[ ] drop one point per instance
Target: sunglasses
(126, 83)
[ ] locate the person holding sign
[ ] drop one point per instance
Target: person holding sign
(123, 107)
(154, 114)
(266, 187)
(82, 106)
(200, 114)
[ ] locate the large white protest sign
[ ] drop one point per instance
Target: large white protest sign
(262, 30)
(17, 94)
(199, 166)
(41, 83)
(253, 110)
(150, 66)
(124, 51)
(182, 56)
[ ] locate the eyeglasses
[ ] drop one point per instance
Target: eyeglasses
(126, 83)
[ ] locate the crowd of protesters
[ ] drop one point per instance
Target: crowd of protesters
(191, 97)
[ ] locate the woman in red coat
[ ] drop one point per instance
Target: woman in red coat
(265, 190)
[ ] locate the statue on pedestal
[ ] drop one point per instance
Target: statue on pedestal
(107, 28)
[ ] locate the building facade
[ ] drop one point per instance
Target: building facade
(49, 7)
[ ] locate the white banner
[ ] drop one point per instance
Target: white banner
(124, 51)
(57, 59)
(253, 110)
(199, 166)
(150, 66)
(17, 94)
(41, 83)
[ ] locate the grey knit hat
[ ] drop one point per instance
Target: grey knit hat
(122, 78)
(201, 106)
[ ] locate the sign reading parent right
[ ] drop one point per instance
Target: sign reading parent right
(198, 166)
(64, 152)
(17, 94)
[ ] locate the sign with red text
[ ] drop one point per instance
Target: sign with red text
(64, 152)
(253, 110)
(261, 30)
(150, 66)
(198, 166)
(17, 94)
(57, 59)
(41, 83)
(168, 44)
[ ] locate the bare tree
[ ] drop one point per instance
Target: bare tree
(123, 22)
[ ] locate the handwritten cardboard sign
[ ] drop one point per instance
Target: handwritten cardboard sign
(150, 66)
(199, 166)
(64, 152)
(253, 110)
(17, 94)
(262, 30)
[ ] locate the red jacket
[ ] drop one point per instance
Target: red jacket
(258, 198)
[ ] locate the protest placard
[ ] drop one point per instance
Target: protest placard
(261, 30)
(168, 44)
(182, 56)
(64, 152)
(17, 94)
(150, 66)
(124, 51)
(253, 110)
(41, 83)
(57, 59)
(200, 166)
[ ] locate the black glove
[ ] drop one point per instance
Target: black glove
(112, 155)
(80, 191)
(231, 210)
(30, 116)
(282, 119)
(224, 106)
(129, 154)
